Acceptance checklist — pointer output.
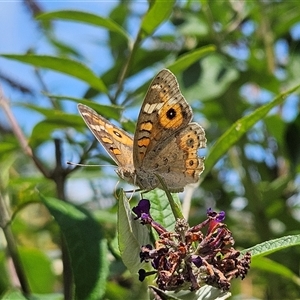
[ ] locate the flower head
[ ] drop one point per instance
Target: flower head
(189, 258)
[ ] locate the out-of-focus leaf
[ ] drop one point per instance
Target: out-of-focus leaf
(214, 79)
(13, 294)
(117, 292)
(187, 59)
(63, 65)
(158, 13)
(25, 189)
(42, 131)
(117, 46)
(144, 58)
(180, 64)
(38, 270)
(239, 128)
(54, 296)
(6, 147)
(64, 48)
(268, 265)
(5, 276)
(6, 164)
(107, 111)
(206, 292)
(292, 142)
(287, 20)
(276, 126)
(86, 245)
(293, 70)
(85, 17)
(271, 246)
(47, 112)
(271, 190)
(194, 25)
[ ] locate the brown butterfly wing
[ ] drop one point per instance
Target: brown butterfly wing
(117, 142)
(165, 142)
(164, 111)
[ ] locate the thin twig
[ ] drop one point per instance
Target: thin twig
(44, 87)
(4, 103)
(59, 176)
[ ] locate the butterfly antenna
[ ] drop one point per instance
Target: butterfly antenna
(84, 165)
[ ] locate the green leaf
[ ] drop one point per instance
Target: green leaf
(132, 235)
(117, 291)
(161, 210)
(86, 245)
(181, 64)
(206, 292)
(64, 49)
(239, 128)
(158, 13)
(108, 111)
(211, 78)
(43, 130)
(62, 65)
(13, 294)
(5, 279)
(287, 20)
(265, 264)
(38, 269)
(194, 25)
(7, 162)
(53, 296)
(85, 17)
(275, 245)
(189, 58)
(6, 147)
(47, 112)
(292, 144)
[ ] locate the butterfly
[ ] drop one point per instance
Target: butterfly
(165, 142)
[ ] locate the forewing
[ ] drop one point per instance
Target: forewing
(164, 111)
(117, 142)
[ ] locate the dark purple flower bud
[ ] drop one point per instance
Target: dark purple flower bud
(142, 208)
(221, 216)
(142, 274)
(209, 211)
(197, 261)
(155, 262)
(145, 253)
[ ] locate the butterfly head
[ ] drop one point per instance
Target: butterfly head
(127, 173)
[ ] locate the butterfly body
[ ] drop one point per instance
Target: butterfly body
(165, 141)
